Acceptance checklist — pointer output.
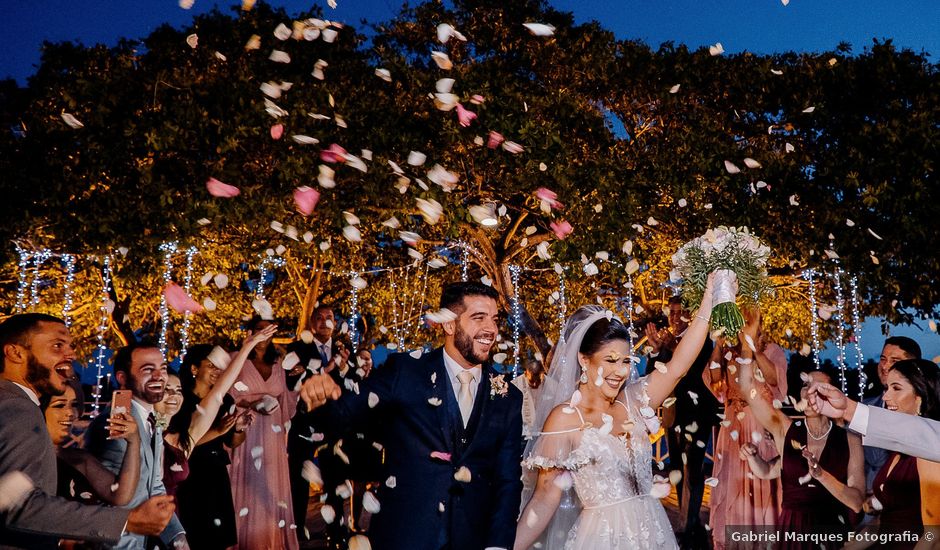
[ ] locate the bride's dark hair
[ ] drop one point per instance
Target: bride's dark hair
(602, 332)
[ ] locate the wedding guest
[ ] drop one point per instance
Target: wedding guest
(141, 368)
(259, 473)
(821, 465)
(906, 490)
(896, 348)
(206, 427)
(300, 444)
(36, 350)
(80, 476)
(364, 362)
(741, 498)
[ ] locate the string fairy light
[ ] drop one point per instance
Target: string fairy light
(631, 330)
(515, 271)
(38, 259)
(187, 286)
(562, 311)
(840, 323)
(353, 312)
(809, 275)
(168, 248)
(275, 261)
(465, 260)
(103, 323)
(23, 264)
(68, 291)
(859, 358)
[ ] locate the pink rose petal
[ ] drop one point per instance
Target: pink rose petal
(495, 139)
(177, 299)
(305, 198)
(441, 456)
(218, 189)
(334, 153)
(561, 229)
(464, 116)
(548, 196)
(277, 131)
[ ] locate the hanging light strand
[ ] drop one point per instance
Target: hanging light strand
(840, 324)
(354, 313)
(23, 266)
(809, 275)
(103, 323)
(168, 249)
(465, 260)
(187, 286)
(857, 339)
(515, 271)
(38, 259)
(68, 291)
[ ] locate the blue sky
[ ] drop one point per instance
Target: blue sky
(760, 26)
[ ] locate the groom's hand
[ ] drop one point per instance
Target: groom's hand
(319, 389)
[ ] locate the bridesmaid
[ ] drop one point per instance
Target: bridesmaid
(740, 498)
(907, 489)
(260, 478)
(822, 470)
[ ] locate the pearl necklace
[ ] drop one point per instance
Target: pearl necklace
(820, 438)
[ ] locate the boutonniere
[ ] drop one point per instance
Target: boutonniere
(498, 386)
(163, 422)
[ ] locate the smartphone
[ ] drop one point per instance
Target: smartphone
(121, 402)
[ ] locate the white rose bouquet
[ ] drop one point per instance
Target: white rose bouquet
(733, 253)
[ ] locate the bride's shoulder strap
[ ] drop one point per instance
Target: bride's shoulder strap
(624, 405)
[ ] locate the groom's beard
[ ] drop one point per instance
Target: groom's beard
(464, 344)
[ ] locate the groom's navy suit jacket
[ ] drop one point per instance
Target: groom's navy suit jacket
(428, 509)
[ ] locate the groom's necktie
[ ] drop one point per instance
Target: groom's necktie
(464, 397)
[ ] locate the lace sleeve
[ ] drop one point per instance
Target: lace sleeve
(555, 450)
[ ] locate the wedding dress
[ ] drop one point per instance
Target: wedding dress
(612, 479)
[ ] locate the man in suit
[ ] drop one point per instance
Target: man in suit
(140, 368)
(695, 415)
(896, 348)
(300, 446)
(36, 359)
(905, 433)
(452, 430)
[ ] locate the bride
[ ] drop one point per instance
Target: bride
(596, 421)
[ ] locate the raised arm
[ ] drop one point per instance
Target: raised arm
(661, 384)
(119, 489)
(208, 408)
(773, 420)
(762, 469)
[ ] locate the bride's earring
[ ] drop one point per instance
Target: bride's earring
(584, 378)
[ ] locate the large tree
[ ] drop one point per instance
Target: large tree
(633, 141)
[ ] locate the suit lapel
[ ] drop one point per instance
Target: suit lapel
(448, 413)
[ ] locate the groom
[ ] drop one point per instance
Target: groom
(452, 430)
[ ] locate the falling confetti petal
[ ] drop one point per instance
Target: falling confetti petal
(561, 229)
(218, 189)
(181, 302)
(464, 116)
(71, 121)
(279, 56)
(192, 41)
(731, 168)
(539, 29)
(442, 60)
(305, 199)
(717, 49)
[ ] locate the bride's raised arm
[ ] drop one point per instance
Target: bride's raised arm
(660, 384)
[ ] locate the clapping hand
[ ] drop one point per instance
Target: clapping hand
(747, 451)
(812, 462)
(255, 338)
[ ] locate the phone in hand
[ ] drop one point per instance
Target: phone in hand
(121, 402)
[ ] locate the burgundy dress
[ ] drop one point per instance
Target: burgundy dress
(810, 507)
(899, 494)
(175, 467)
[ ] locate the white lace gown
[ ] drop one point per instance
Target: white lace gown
(612, 477)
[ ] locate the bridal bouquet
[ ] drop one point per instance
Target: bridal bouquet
(732, 252)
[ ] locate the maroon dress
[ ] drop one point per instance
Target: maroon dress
(175, 467)
(899, 494)
(810, 507)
